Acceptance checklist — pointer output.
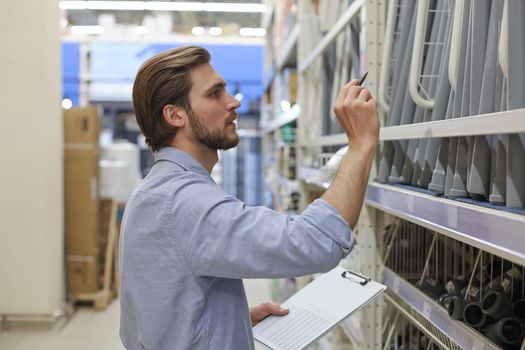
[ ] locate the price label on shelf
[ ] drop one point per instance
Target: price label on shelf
(478, 344)
(426, 309)
(410, 204)
(395, 285)
(452, 216)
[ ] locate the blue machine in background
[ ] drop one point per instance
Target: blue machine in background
(113, 66)
(71, 72)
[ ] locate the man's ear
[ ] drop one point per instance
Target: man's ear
(173, 115)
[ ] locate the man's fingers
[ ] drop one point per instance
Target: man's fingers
(344, 91)
(353, 82)
(364, 95)
(276, 309)
(353, 93)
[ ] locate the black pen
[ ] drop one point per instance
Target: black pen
(362, 80)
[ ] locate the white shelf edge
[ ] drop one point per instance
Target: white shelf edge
(282, 119)
(458, 332)
(495, 231)
(345, 18)
(289, 45)
(507, 122)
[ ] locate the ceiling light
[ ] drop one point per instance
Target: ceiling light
(215, 31)
(233, 7)
(197, 31)
(141, 30)
(173, 6)
(87, 30)
(252, 32)
(239, 96)
(162, 6)
(67, 103)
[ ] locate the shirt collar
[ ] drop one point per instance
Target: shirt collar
(183, 159)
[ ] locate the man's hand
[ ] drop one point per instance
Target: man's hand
(260, 312)
(356, 111)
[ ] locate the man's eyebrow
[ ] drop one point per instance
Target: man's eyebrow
(220, 84)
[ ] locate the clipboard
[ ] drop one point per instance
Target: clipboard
(316, 309)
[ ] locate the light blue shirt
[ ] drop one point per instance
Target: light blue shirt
(186, 245)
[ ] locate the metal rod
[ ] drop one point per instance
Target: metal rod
(472, 275)
(427, 260)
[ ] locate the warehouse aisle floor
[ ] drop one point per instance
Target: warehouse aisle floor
(90, 329)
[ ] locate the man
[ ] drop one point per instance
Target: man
(186, 244)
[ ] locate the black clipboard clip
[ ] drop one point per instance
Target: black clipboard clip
(349, 273)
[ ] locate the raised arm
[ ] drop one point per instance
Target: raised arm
(356, 111)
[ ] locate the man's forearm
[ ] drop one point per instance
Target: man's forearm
(347, 191)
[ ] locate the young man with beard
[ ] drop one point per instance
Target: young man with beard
(186, 245)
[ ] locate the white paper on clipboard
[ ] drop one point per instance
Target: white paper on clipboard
(316, 309)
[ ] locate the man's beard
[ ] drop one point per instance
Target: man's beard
(214, 139)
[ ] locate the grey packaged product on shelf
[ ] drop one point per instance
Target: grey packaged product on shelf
(499, 142)
(474, 316)
(329, 59)
(459, 176)
(496, 305)
(507, 332)
(416, 150)
(457, 110)
(407, 109)
(404, 41)
(430, 156)
(455, 307)
(479, 178)
(516, 99)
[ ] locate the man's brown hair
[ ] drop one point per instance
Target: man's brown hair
(161, 80)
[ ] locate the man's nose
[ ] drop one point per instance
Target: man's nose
(233, 103)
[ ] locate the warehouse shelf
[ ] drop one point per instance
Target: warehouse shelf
(459, 333)
(495, 231)
(283, 119)
(508, 122)
(475, 225)
(341, 23)
(289, 49)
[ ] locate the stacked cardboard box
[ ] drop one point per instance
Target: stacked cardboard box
(81, 166)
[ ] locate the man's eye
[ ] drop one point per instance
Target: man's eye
(214, 94)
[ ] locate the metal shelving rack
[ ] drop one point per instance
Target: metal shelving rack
(494, 231)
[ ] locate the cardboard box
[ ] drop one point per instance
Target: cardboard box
(292, 83)
(82, 201)
(82, 126)
(83, 274)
